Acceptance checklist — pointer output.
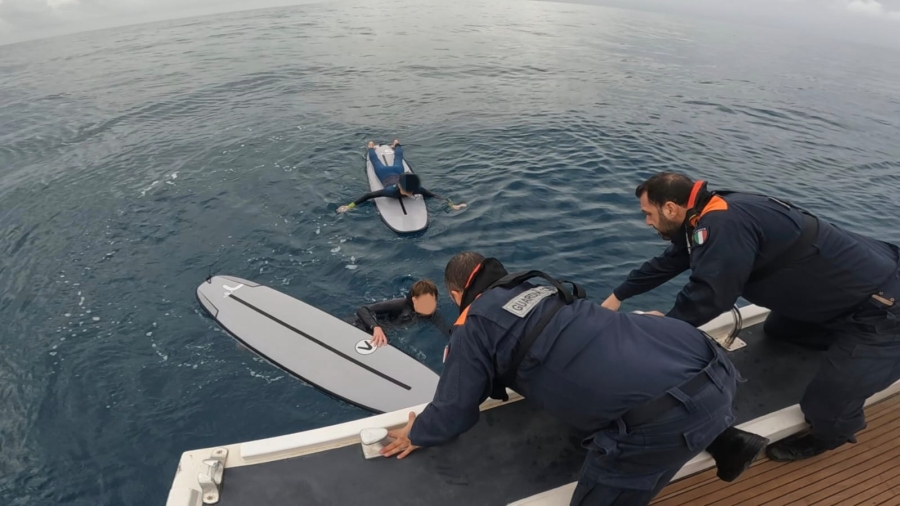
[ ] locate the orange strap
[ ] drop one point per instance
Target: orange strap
(462, 317)
(692, 200)
(465, 313)
(472, 275)
(716, 203)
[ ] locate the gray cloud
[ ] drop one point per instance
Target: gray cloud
(873, 8)
(867, 7)
(39, 13)
(867, 21)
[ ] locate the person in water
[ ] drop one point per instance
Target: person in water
(421, 303)
(396, 182)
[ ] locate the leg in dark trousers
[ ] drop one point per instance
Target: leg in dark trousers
(598, 494)
(630, 465)
(863, 360)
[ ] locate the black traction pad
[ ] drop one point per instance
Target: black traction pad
(515, 451)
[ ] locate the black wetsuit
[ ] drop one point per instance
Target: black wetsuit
(395, 312)
(390, 175)
(393, 191)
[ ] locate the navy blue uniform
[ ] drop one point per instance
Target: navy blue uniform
(821, 296)
(589, 367)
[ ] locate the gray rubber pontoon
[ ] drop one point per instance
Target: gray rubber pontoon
(404, 215)
(329, 353)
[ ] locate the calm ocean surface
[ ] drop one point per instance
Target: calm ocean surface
(136, 161)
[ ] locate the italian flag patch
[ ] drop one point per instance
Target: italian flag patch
(700, 236)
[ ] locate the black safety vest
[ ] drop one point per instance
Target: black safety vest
(809, 231)
(563, 298)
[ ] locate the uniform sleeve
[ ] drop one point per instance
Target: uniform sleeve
(464, 385)
(655, 272)
(720, 268)
(370, 313)
(370, 195)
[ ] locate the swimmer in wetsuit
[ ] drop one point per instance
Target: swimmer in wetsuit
(420, 303)
(396, 183)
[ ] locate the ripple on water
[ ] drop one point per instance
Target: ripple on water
(137, 161)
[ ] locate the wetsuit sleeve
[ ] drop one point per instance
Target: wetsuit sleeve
(371, 313)
(720, 268)
(655, 272)
(370, 195)
(429, 194)
(465, 383)
(438, 321)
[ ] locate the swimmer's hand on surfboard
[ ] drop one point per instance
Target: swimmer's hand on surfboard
(378, 337)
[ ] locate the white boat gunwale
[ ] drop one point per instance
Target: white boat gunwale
(185, 489)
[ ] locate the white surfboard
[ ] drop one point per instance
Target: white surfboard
(332, 355)
(403, 215)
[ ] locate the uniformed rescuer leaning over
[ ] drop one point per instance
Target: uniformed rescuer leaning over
(648, 392)
(827, 288)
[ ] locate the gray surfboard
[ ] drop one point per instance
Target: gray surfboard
(332, 355)
(403, 215)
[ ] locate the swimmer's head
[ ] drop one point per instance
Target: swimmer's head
(409, 184)
(424, 295)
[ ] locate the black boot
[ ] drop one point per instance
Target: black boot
(799, 447)
(734, 450)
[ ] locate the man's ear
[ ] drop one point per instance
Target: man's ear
(456, 296)
(670, 210)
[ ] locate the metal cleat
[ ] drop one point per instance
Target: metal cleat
(373, 440)
(211, 480)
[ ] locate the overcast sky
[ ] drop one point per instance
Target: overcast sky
(869, 21)
(31, 19)
(873, 21)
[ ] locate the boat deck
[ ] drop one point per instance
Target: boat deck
(515, 451)
(519, 454)
(866, 473)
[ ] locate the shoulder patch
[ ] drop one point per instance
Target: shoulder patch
(523, 303)
(700, 236)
